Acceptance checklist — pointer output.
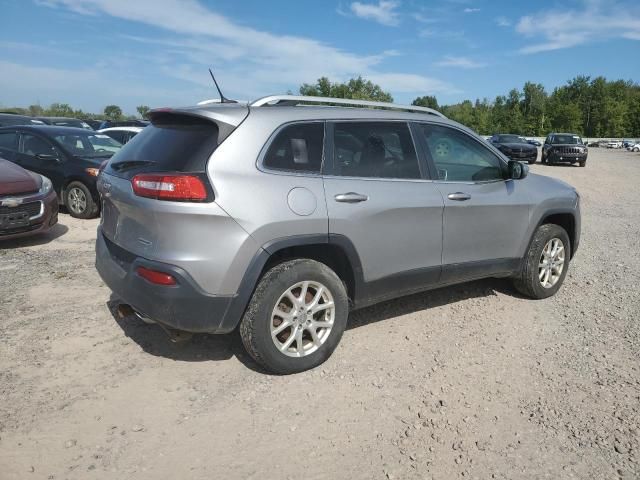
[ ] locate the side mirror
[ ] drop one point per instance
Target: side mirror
(517, 170)
(47, 156)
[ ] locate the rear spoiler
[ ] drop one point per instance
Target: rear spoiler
(227, 116)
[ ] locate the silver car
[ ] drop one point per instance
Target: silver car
(280, 216)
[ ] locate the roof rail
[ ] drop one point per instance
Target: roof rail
(293, 100)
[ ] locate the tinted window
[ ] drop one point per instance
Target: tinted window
(510, 139)
(566, 139)
(374, 149)
(8, 141)
(460, 158)
(118, 136)
(172, 143)
(297, 147)
(32, 145)
(90, 144)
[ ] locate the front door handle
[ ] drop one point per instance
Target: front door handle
(459, 196)
(351, 197)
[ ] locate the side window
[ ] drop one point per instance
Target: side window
(8, 141)
(460, 158)
(297, 147)
(374, 150)
(32, 145)
(118, 136)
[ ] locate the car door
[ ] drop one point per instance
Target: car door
(380, 198)
(38, 154)
(485, 216)
(8, 144)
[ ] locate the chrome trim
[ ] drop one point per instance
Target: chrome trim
(294, 100)
(35, 217)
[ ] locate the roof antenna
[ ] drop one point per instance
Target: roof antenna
(223, 99)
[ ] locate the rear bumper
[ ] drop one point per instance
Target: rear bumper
(184, 306)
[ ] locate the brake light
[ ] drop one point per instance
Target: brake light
(181, 188)
(153, 276)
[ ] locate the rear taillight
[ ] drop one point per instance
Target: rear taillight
(180, 188)
(153, 276)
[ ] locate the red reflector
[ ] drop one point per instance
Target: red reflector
(185, 188)
(153, 276)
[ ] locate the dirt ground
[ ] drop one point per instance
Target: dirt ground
(471, 381)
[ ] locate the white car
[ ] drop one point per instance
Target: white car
(614, 144)
(634, 148)
(121, 134)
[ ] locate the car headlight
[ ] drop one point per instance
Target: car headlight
(46, 186)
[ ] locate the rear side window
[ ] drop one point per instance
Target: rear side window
(374, 149)
(297, 148)
(173, 143)
(8, 141)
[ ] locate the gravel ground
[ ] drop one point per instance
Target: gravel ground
(471, 381)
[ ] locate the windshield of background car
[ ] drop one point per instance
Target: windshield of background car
(510, 139)
(94, 146)
(566, 140)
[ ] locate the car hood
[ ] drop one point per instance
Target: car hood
(524, 146)
(15, 180)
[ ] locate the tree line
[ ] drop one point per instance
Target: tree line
(589, 107)
(110, 112)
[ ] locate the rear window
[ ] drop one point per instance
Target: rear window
(297, 148)
(171, 144)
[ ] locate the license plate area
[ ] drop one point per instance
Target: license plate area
(14, 220)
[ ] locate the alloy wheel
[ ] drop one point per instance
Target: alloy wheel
(77, 200)
(551, 263)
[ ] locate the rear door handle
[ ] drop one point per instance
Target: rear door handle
(459, 196)
(351, 197)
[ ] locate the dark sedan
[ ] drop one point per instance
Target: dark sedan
(28, 203)
(515, 147)
(70, 157)
(564, 148)
(65, 122)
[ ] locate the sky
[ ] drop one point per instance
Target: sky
(91, 53)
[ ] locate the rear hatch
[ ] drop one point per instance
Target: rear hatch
(176, 145)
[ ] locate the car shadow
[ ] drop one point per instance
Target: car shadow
(154, 340)
(56, 231)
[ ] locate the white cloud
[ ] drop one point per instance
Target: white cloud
(471, 10)
(246, 60)
(595, 21)
(459, 62)
(503, 22)
(384, 12)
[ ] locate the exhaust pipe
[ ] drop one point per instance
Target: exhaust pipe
(176, 336)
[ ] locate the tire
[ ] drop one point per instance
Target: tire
(261, 319)
(79, 202)
(531, 162)
(583, 163)
(529, 281)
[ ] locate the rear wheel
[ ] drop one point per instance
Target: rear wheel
(79, 202)
(296, 317)
(545, 265)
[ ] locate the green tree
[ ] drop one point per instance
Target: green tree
(35, 110)
(356, 88)
(429, 101)
(142, 110)
(113, 112)
(59, 110)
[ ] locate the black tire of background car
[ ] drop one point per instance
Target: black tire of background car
(527, 282)
(255, 325)
(91, 209)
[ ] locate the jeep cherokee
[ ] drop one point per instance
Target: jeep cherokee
(279, 218)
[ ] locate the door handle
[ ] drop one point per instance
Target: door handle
(351, 197)
(459, 196)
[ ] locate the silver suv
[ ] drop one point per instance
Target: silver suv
(280, 216)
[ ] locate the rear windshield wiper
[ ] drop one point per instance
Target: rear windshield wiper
(126, 164)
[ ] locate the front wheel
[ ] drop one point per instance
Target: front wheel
(79, 202)
(583, 163)
(545, 264)
(296, 317)
(531, 162)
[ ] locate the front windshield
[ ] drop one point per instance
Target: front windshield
(511, 139)
(567, 140)
(89, 145)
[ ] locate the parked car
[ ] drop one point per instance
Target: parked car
(564, 148)
(282, 218)
(69, 156)
(614, 144)
(515, 147)
(121, 134)
(65, 122)
(94, 124)
(123, 123)
(634, 147)
(28, 203)
(7, 119)
(533, 141)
